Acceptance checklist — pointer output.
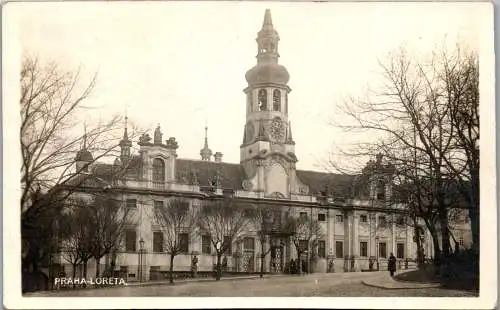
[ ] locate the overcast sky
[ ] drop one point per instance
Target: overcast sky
(181, 64)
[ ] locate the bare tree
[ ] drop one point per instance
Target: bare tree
(223, 220)
(75, 245)
(304, 231)
(51, 100)
(461, 77)
(265, 220)
(413, 114)
(175, 217)
(107, 218)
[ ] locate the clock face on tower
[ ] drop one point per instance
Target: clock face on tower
(277, 130)
(249, 132)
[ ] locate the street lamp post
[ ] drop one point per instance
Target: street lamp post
(141, 258)
(218, 246)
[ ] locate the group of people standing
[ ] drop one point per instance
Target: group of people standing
(296, 266)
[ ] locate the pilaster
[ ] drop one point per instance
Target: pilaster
(260, 176)
(393, 235)
(330, 228)
(355, 234)
(373, 234)
(347, 234)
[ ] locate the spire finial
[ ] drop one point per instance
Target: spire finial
(85, 135)
(205, 152)
(125, 132)
(267, 19)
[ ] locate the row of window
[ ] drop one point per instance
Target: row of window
(262, 100)
(363, 249)
(362, 218)
(132, 203)
(249, 245)
(183, 241)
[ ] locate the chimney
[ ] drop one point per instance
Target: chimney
(218, 157)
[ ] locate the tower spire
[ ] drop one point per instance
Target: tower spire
(85, 135)
(206, 152)
(267, 19)
(125, 143)
(83, 156)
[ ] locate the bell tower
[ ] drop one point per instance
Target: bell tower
(267, 138)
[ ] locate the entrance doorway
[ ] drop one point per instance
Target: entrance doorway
(248, 257)
(277, 259)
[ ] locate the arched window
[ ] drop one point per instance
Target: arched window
(380, 190)
(262, 100)
(277, 100)
(158, 170)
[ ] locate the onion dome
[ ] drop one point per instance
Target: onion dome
(267, 69)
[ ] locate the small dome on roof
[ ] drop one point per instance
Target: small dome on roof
(267, 73)
(84, 155)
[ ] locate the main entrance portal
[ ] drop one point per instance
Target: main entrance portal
(277, 260)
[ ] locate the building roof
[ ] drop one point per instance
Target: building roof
(337, 185)
(230, 175)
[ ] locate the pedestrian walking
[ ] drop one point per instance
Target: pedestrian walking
(224, 264)
(392, 264)
(194, 267)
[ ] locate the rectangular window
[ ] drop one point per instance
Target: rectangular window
(206, 244)
(400, 221)
(339, 249)
(363, 249)
(303, 214)
(381, 221)
(321, 217)
(131, 203)
(339, 218)
(130, 240)
(184, 243)
(158, 204)
(158, 241)
(248, 244)
(400, 250)
(322, 248)
(228, 245)
(303, 245)
(382, 249)
(461, 241)
(363, 218)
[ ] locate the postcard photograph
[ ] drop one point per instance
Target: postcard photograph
(238, 150)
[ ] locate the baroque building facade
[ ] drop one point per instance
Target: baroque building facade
(356, 213)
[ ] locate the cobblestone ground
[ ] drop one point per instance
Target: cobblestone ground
(331, 285)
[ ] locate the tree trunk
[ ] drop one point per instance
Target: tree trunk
(218, 268)
(299, 262)
(437, 250)
(85, 269)
(445, 234)
(474, 225)
(97, 267)
(171, 275)
(262, 257)
(73, 265)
